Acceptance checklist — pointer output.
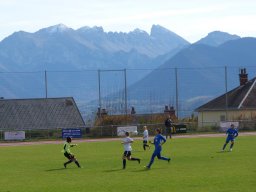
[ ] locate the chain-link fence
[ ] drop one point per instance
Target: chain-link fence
(147, 91)
(111, 131)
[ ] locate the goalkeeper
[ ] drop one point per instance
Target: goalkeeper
(66, 149)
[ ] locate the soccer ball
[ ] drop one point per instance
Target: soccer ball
(135, 132)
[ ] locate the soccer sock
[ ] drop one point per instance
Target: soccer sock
(144, 147)
(231, 145)
(70, 161)
(135, 159)
(151, 161)
(77, 163)
(65, 164)
(164, 158)
(124, 163)
(224, 146)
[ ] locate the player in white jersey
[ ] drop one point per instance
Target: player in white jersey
(127, 150)
(145, 138)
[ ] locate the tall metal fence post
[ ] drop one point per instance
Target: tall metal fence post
(125, 93)
(46, 103)
(177, 93)
(226, 94)
(99, 88)
(45, 83)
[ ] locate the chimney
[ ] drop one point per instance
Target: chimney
(169, 110)
(243, 76)
(133, 112)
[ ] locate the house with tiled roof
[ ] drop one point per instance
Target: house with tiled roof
(39, 113)
(238, 104)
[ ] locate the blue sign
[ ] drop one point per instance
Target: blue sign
(73, 133)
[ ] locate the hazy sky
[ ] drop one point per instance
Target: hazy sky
(191, 19)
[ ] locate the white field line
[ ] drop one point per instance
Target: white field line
(6, 144)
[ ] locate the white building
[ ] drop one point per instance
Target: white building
(238, 104)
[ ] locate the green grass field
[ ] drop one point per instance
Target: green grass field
(197, 165)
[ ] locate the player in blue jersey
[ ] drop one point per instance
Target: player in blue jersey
(232, 133)
(159, 140)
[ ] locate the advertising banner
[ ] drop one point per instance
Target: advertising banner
(224, 125)
(131, 129)
(14, 135)
(73, 133)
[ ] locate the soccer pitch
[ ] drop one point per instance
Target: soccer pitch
(197, 165)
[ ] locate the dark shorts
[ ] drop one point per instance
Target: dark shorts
(145, 142)
(168, 130)
(68, 155)
(127, 153)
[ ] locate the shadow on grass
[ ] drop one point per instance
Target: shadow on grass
(112, 170)
(146, 169)
(223, 152)
(57, 169)
(129, 170)
(138, 151)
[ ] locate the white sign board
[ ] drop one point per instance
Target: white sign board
(14, 135)
(131, 129)
(224, 125)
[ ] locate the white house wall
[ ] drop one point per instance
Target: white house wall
(213, 118)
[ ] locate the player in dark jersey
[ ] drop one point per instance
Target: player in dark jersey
(168, 127)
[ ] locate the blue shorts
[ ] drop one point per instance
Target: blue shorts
(157, 150)
(230, 139)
